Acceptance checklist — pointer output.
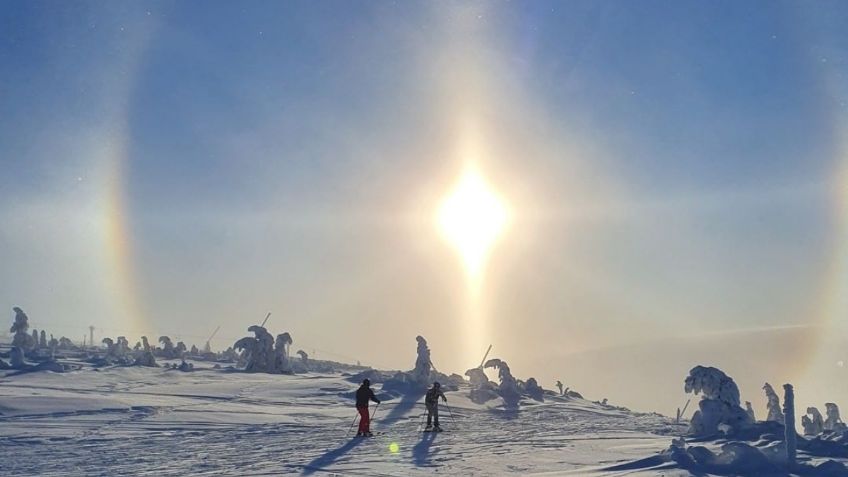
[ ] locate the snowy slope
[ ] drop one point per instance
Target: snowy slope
(143, 421)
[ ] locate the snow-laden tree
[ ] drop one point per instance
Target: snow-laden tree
(421, 372)
(66, 343)
(42, 343)
(790, 436)
(750, 410)
(559, 386)
(773, 405)
(35, 339)
(145, 344)
(145, 357)
(812, 422)
(110, 346)
(20, 327)
(258, 352)
(720, 402)
(281, 354)
(303, 356)
(532, 389)
(833, 421)
(477, 377)
(167, 347)
(508, 389)
(122, 346)
(194, 351)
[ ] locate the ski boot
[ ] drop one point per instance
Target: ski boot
(437, 429)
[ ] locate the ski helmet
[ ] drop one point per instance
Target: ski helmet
(366, 382)
(436, 384)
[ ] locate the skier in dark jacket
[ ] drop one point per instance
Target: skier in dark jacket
(363, 395)
(431, 400)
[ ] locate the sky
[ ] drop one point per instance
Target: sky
(676, 175)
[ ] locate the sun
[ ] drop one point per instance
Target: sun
(471, 218)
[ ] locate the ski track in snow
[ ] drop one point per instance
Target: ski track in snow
(137, 421)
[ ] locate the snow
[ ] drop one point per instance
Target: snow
(159, 421)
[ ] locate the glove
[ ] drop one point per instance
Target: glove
(378, 401)
(444, 399)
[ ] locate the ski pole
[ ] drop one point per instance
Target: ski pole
(451, 413)
(351, 424)
(375, 411)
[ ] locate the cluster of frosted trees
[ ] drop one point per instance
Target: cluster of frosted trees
(720, 415)
(262, 353)
(31, 344)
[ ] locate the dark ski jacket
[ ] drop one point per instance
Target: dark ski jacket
(432, 396)
(365, 394)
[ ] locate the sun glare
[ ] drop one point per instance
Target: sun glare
(471, 218)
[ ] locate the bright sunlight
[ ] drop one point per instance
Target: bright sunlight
(471, 218)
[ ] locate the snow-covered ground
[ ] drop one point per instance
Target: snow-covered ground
(152, 421)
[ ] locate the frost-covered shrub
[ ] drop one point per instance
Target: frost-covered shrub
(720, 402)
(773, 406)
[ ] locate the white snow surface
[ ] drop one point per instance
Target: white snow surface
(153, 421)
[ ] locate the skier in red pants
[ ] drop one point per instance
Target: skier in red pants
(363, 396)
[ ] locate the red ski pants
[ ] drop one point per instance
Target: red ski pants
(364, 419)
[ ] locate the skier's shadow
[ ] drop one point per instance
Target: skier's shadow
(329, 458)
(402, 408)
(421, 451)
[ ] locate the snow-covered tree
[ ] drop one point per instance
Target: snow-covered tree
(421, 372)
(720, 402)
(303, 356)
(790, 436)
(21, 338)
(167, 347)
(833, 421)
(532, 389)
(508, 389)
(773, 406)
(144, 355)
(122, 346)
(281, 354)
(559, 386)
(812, 422)
(42, 343)
(258, 351)
(750, 410)
(34, 339)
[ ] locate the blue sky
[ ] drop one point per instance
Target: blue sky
(674, 168)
